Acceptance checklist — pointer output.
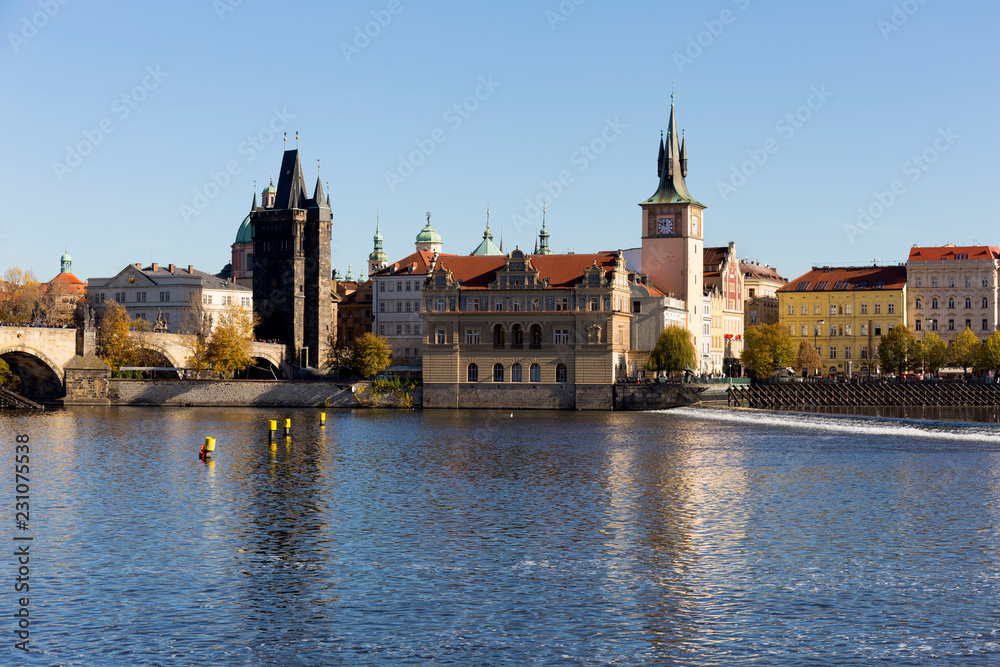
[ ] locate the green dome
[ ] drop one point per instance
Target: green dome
(245, 235)
(428, 234)
(378, 256)
(65, 257)
(270, 188)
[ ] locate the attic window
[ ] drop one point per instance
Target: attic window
(861, 284)
(841, 285)
(879, 285)
(821, 285)
(802, 286)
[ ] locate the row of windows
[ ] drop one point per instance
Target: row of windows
(837, 330)
(918, 303)
(932, 325)
(473, 337)
(399, 306)
(847, 352)
(140, 297)
(845, 309)
(400, 329)
(951, 281)
(398, 286)
(516, 373)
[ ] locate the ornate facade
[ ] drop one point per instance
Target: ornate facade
(525, 331)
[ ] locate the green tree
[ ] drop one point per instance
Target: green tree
(674, 351)
(896, 350)
(228, 350)
(765, 348)
(807, 358)
(115, 345)
(965, 350)
(8, 378)
(340, 362)
(989, 354)
(933, 352)
(372, 355)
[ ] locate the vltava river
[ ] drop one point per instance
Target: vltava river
(694, 536)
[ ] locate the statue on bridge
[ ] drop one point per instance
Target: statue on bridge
(160, 325)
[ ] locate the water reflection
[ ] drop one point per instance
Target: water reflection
(688, 537)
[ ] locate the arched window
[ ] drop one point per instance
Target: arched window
(536, 336)
(951, 302)
(515, 373)
(499, 337)
(517, 337)
(968, 303)
(498, 372)
(473, 374)
(917, 305)
(561, 373)
(535, 373)
(934, 303)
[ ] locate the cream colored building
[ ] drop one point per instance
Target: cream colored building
(952, 288)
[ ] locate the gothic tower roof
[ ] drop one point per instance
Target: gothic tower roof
(291, 184)
(672, 168)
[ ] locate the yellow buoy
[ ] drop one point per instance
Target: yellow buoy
(322, 419)
(207, 448)
(288, 427)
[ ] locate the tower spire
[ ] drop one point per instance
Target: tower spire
(672, 168)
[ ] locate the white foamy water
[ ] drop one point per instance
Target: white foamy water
(878, 426)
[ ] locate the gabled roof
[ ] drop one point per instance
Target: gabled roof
(761, 272)
(852, 278)
(418, 263)
(945, 252)
(478, 271)
(291, 184)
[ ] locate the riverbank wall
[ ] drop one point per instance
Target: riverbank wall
(259, 393)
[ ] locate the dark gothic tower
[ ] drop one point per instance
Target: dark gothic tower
(291, 276)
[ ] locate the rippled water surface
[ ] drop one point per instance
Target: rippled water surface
(694, 536)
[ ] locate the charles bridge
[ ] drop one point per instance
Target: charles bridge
(40, 355)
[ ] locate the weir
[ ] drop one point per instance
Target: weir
(881, 394)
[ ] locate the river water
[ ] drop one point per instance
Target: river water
(688, 537)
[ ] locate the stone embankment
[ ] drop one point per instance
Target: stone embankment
(258, 393)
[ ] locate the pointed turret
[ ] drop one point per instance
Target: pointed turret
(543, 238)
(659, 161)
(350, 275)
(672, 188)
(253, 205)
(684, 156)
(291, 185)
(378, 259)
(320, 199)
(487, 247)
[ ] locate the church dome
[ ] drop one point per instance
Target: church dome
(65, 257)
(428, 234)
(378, 256)
(270, 188)
(245, 234)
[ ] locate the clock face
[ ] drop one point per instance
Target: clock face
(665, 225)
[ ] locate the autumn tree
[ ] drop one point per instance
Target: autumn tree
(9, 379)
(228, 350)
(340, 362)
(933, 352)
(807, 358)
(989, 354)
(766, 347)
(674, 351)
(372, 355)
(115, 344)
(896, 350)
(965, 350)
(20, 295)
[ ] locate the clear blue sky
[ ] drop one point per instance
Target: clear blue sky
(199, 78)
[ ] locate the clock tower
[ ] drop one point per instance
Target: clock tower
(672, 230)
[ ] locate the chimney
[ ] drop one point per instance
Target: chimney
(191, 268)
(156, 266)
(170, 267)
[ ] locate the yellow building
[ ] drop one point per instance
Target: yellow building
(844, 312)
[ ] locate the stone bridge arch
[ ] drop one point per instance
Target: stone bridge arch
(41, 377)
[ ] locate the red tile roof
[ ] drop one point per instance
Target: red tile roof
(761, 272)
(477, 272)
(856, 278)
(929, 254)
(419, 261)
